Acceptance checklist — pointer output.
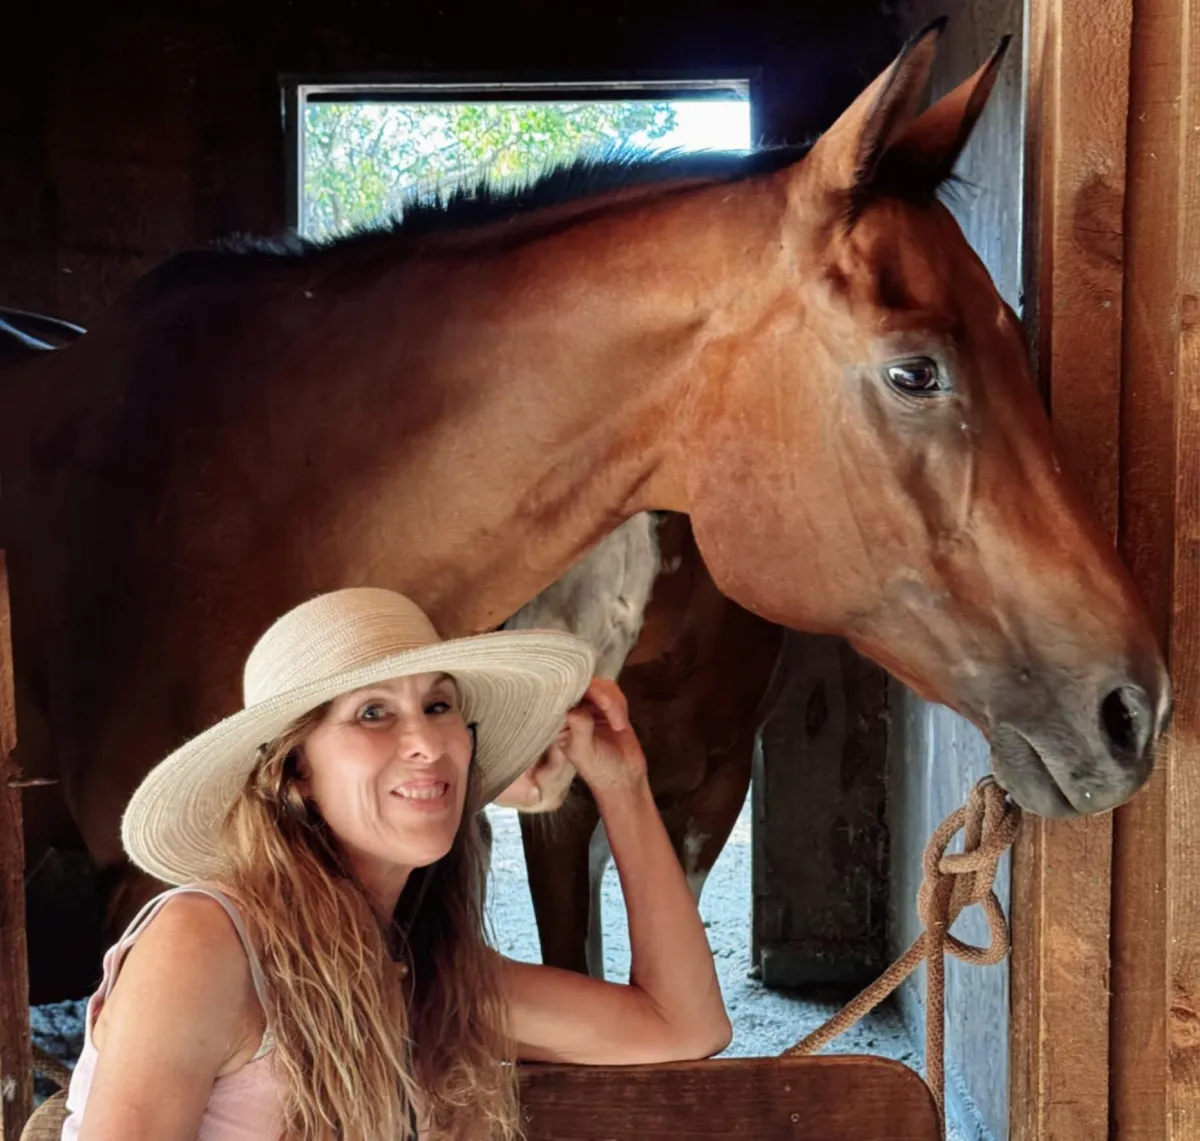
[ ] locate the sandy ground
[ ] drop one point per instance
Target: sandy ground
(765, 1022)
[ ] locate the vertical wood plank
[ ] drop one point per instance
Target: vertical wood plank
(1139, 911)
(1183, 760)
(1077, 72)
(16, 1079)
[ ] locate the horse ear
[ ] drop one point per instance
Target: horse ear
(928, 147)
(848, 154)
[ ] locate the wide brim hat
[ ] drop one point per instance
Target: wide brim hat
(516, 688)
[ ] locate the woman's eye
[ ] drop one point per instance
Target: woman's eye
(919, 376)
(372, 712)
(439, 707)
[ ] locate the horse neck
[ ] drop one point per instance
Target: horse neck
(544, 392)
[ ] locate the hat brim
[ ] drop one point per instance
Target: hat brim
(516, 687)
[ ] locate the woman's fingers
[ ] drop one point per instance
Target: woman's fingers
(581, 727)
(609, 701)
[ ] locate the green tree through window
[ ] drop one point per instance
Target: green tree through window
(361, 159)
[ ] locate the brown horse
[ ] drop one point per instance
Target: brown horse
(797, 349)
(697, 679)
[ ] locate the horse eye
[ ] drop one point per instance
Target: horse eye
(919, 377)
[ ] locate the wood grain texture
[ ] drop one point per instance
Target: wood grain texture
(1156, 895)
(1183, 759)
(1148, 383)
(16, 1078)
(846, 1098)
(1078, 61)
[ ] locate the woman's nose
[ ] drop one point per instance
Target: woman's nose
(420, 740)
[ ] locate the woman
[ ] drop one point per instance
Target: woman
(323, 971)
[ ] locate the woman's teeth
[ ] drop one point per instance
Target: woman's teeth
(423, 792)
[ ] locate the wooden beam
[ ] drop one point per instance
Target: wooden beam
(831, 1098)
(16, 1078)
(1155, 1085)
(1156, 889)
(1077, 104)
(1139, 907)
(1183, 756)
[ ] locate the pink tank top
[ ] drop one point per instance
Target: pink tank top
(245, 1105)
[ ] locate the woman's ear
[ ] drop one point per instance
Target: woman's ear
(296, 790)
(301, 772)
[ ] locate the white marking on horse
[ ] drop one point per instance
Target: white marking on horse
(693, 845)
(603, 597)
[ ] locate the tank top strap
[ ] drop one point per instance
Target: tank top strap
(152, 908)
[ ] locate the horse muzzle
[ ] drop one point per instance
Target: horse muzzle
(1087, 752)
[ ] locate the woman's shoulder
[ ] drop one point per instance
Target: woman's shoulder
(194, 940)
(184, 982)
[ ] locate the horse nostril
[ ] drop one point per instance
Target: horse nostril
(1128, 721)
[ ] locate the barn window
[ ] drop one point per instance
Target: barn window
(357, 148)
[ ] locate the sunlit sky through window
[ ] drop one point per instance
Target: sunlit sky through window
(708, 124)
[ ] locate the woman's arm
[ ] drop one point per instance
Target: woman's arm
(176, 1016)
(672, 1007)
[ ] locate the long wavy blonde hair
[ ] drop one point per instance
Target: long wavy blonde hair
(363, 1051)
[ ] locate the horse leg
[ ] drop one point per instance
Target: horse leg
(699, 822)
(556, 860)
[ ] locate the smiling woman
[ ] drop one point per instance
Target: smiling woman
(388, 765)
(321, 968)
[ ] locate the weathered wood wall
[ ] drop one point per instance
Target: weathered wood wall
(935, 756)
(1154, 1090)
(16, 1078)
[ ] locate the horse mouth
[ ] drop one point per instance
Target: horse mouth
(1023, 773)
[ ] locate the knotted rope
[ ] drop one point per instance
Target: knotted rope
(952, 883)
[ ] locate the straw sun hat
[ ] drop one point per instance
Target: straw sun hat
(516, 686)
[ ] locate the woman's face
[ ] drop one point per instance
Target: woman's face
(387, 767)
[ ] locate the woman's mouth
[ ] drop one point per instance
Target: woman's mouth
(423, 793)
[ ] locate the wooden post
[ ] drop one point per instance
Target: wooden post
(1076, 118)
(16, 1075)
(1155, 1086)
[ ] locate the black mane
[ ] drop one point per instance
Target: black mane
(483, 203)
